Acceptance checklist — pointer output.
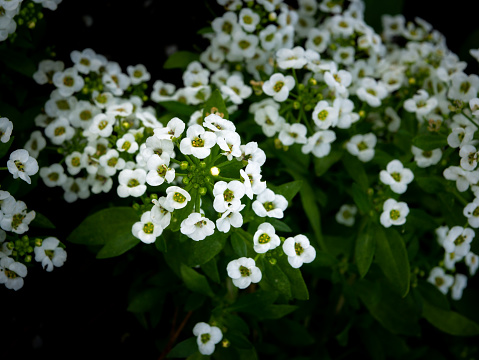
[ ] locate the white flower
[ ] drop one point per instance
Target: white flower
(462, 177)
(17, 219)
(324, 115)
(472, 260)
(127, 143)
(138, 74)
(111, 162)
(230, 218)
(463, 87)
(461, 136)
(85, 61)
(197, 227)
(265, 238)
(35, 143)
(319, 143)
(53, 175)
(278, 86)
(293, 134)
(346, 214)
(469, 155)
(207, 337)
(394, 213)
(12, 273)
(161, 212)
(425, 158)
(22, 165)
(371, 91)
(338, 80)
(50, 254)
(269, 119)
(250, 152)
(173, 129)
(362, 146)
(458, 240)
(227, 196)
(270, 204)
(251, 176)
(299, 250)
(162, 91)
(46, 69)
(102, 125)
(440, 279)
(75, 188)
(59, 130)
(421, 103)
(291, 58)
(146, 230)
(471, 212)
(229, 142)
(176, 197)
(396, 176)
(235, 90)
(243, 272)
(74, 162)
(131, 183)
(68, 81)
(198, 142)
(460, 283)
(6, 127)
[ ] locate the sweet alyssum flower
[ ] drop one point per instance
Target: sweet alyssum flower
(346, 214)
(270, 204)
(396, 176)
(394, 213)
(362, 146)
(265, 238)
(458, 240)
(278, 86)
(146, 230)
(12, 273)
(299, 250)
(6, 127)
(50, 254)
(243, 272)
(439, 278)
(131, 183)
(22, 165)
(197, 227)
(198, 142)
(207, 337)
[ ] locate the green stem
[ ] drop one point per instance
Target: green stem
(3, 168)
(197, 202)
(470, 119)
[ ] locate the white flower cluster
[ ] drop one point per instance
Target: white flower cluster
(9, 9)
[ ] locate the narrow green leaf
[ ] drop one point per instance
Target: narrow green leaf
(41, 221)
(18, 61)
(448, 321)
(180, 60)
(430, 141)
(5, 147)
(210, 268)
(184, 349)
(111, 224)
(239, 245)
(356, 171)
(361, 198)
(195, 281)
(276, 311)
(279, 225)
(288, 190)
(322, 165)
(145, 300)
(365, 249)
(391, 256)
(299, 290)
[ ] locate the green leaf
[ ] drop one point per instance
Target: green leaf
(215, 101)
(178, 108)
(279, 225)
(391, 256)
(111, 224)
(239, 245)
(210, 268)
(116, 247)
(276, 278)
(276, 311)
(184, 349)
(322, 165)
(448, 321)
(180, 60)
(195, 281)
(356, 171)
(288, 190)
(299, 290)
(431, 184)
(361, 198)
(41, 221)
(397, 314)
(430, 141)
(253, 302)
(365, 249)
(18, 61)
(200, 252)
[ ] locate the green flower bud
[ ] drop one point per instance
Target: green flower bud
(184, 165)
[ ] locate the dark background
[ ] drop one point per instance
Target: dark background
(79, 310)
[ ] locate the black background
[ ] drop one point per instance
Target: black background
(79, 310)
